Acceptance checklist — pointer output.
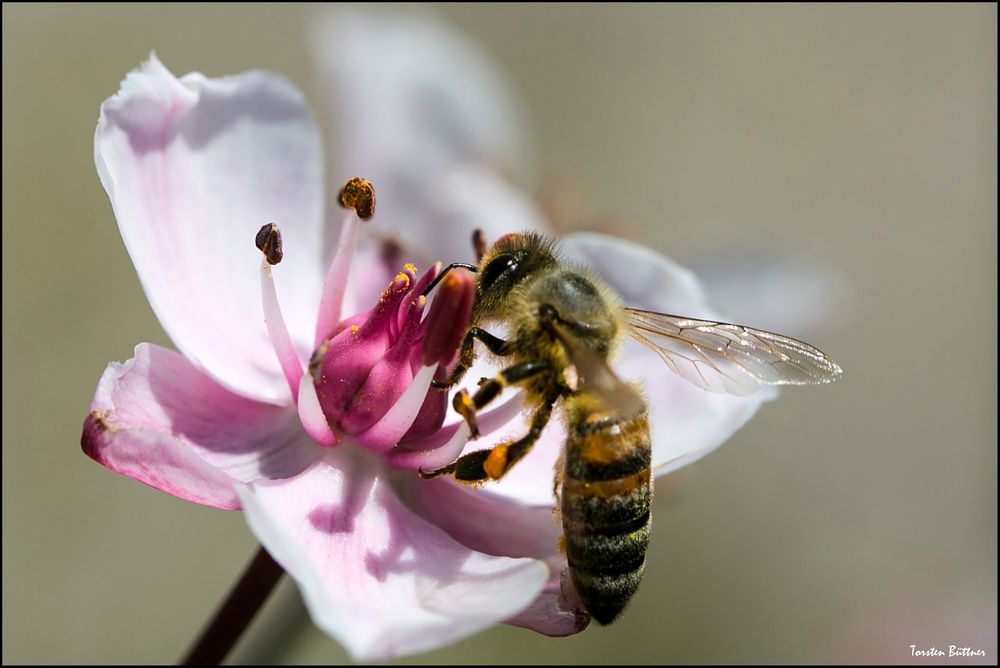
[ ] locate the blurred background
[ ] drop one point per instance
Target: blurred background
(843, 524)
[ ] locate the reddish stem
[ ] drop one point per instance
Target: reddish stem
(234, 615)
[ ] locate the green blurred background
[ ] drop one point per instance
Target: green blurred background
(843, 524)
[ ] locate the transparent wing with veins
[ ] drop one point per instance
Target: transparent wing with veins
(732, 359)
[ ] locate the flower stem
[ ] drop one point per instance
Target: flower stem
(234, 615)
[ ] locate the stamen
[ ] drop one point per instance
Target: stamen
(357, 195)
(269, 242)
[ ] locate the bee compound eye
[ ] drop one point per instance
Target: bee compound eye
(497, 267)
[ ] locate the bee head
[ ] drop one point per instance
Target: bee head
(507, 263)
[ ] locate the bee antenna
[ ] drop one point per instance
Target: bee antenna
(444, 272)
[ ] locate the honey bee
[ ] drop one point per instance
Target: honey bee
(563, 325)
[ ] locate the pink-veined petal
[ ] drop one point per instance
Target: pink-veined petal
(374, 575)
(194, 167)
(162, 421)
(489, 523)
(686, 422)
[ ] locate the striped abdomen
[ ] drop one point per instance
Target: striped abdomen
(606, 495)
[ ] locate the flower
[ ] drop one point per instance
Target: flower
(313, 423)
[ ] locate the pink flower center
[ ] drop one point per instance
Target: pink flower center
(371, 373)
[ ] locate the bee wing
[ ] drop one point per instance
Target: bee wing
(733, 359)
(598, 377)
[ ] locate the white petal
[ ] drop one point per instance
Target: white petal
(484, 521)
(194, 167)
(380, 579)
(414, 102)
(639, 275)
(412, 95)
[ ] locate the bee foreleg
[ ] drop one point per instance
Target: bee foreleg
(467, 355)
(494, 344)
(493, 464)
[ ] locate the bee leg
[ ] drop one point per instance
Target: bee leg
(493, 464)
(489, 388)
(465, 406)
(494, 344)
(503, 457)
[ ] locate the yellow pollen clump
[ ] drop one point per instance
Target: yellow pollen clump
(496, 463)
(359, 195)
(354, 329)
(410, 267)
(403, 280)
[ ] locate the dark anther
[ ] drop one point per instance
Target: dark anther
(479, 244)
(269, 243)
(358, 194)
